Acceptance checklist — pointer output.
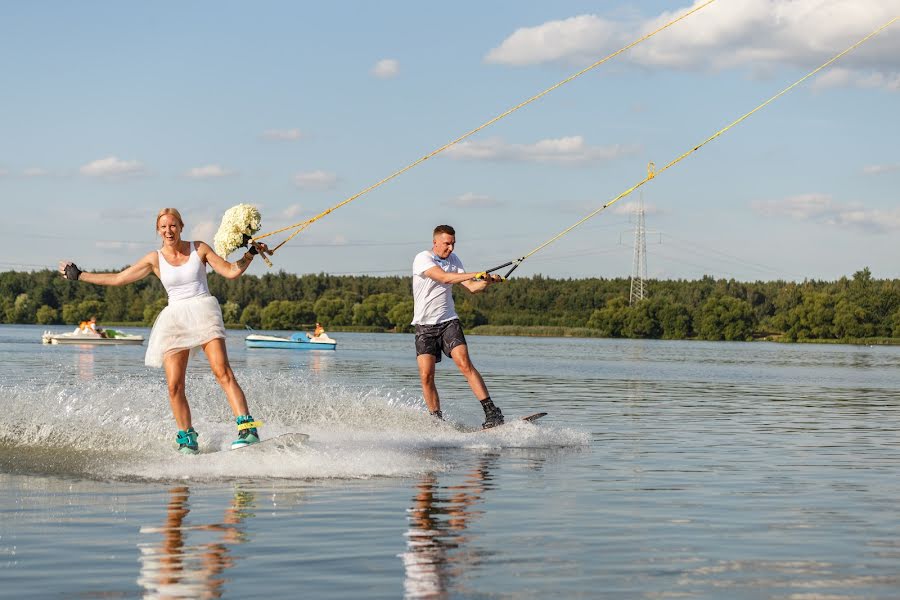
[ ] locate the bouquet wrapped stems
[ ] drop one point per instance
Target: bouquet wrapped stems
(239, 224)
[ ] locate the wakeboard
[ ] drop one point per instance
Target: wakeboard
(282, 442)
(529, 418)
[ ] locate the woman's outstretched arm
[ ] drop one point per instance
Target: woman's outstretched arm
(138, 270)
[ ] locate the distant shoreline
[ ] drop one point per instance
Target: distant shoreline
(557, 332)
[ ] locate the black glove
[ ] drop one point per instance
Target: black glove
(72, 272)
(252, 250)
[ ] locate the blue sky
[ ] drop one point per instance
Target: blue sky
(110, 111)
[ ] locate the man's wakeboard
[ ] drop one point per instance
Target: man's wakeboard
(511, 421)
(281, 442)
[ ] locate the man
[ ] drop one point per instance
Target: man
(437, 324)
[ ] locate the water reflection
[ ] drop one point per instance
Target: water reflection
(85, 363)
(437, 538)
(316, 364)
(176, 568)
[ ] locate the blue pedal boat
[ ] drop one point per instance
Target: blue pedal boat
(298, 341)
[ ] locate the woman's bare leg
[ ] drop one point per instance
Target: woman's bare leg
(175, 366)
(218, 362)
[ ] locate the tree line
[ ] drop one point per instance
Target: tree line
(848, 309)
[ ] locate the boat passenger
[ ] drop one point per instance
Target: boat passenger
(191, 320)
(93, 328)
(438, 328)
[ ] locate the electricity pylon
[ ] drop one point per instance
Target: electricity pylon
(639, 266)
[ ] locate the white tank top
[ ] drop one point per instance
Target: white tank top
(184, 281)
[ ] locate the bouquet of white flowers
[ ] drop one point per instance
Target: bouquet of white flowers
(239, 224)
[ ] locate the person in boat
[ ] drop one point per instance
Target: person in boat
(318, 332)
(437, 325)
(90, 327)
(191, 320)
(84, 328)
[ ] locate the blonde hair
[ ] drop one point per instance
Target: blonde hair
(170, 211)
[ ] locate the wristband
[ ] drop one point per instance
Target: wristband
(72, 272)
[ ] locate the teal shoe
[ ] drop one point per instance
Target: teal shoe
(187, 441)
(247, 433)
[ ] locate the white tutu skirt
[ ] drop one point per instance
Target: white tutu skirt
(184, 325)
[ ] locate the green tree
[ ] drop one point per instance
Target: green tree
(75, 312)
(675, 320)
(152, 310)
(333, 310)
(6, 307)
(850, 320)
(469, 315)
(70, 313)
(726, 318)
(812, 318)
(46, 315)
(610, 320)
(23, 310)
(373, 310)
(400, 315)
(251, 316)
(641, 322)
(287, 314)
(231, 312)
(136, 309)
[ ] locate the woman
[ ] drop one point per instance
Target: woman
(191, 320)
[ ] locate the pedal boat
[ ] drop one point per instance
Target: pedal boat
(298, 341)
(112, 338)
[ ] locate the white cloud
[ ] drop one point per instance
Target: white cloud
(822, 209)
(204, 231)
(836, 77)
(833, 78)
(315, 180)
(35, 172)
(281, 135)
(576, 39)
(386, 68)
(879, 169)
(571, 150)
(112, 167)
(760, 35)
(630, 208)
(208, 172)
(472, 200)
(292, 211)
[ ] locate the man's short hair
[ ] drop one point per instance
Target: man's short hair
(443, 229)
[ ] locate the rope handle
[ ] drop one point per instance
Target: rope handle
(263, 255)
(514, 263)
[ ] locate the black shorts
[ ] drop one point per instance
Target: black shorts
(433, 339)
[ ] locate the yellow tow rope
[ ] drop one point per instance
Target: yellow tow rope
(303, 225)
(651, 173)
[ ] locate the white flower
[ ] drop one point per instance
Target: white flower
(238, 223)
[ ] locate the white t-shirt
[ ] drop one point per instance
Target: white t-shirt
(432, 300)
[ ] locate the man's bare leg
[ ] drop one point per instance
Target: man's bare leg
(426, 376)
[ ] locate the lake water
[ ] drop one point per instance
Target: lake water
(663, 470)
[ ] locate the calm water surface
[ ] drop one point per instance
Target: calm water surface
(663, 470)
